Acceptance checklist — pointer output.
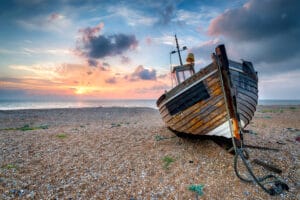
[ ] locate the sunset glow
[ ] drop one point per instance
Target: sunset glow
(81, 90)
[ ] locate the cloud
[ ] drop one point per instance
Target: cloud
(53, 22)
(90, 32)
(89, 73)
(6, 80)
(257, 20)
(198, 18)
(265, 31)
(55, 16)
(96, 46)
(280, 86)
(133, 17)
(93, 62)
(112, 80)
(105, 64)
(165, 39)
(125, 60)
(167, 13)
(204, 49)
(140, 73)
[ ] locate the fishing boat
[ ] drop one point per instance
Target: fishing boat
(217, 99)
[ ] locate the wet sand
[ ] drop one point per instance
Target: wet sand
(128, 153)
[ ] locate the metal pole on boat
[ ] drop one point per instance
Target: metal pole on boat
(178, 50)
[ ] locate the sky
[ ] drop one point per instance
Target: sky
(102, 49)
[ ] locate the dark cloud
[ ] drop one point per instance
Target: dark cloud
(112, 80)
(102, 66)
(257, 20)
(265, 32)
(125, 60)
(93, 45)
(93, 62)
(103, 46)
(140, 73)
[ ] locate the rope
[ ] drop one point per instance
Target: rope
(278, 187)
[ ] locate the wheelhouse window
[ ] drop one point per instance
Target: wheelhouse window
(183, 72)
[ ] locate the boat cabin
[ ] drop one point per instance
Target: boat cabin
(183, 72)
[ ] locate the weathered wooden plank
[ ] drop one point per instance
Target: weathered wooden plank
(242, 97)
(216, 124)
(215, 91)
(219, 109)
(202, 125)
(212, 123)
(202, 104)
(198, 113)
(245, 109)
(211, 85)
(240, 78)
(188, 98)
(250, 94)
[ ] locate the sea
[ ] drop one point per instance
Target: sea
(74, 103)
(150, 103)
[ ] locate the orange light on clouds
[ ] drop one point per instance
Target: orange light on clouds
(85, 81)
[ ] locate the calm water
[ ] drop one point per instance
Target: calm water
(269, 102)
(39, 104)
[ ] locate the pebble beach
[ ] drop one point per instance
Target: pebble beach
(128, 153)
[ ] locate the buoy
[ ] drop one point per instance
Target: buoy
(190, 58)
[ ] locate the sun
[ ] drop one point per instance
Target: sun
(81, 90)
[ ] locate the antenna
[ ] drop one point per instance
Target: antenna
(174, 51)
(178, 50)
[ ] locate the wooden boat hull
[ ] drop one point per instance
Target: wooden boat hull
(245, 82)
(197, 106)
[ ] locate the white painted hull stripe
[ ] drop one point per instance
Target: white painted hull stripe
(222, 130)
(236, 69)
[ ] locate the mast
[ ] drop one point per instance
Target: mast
(177, 46)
